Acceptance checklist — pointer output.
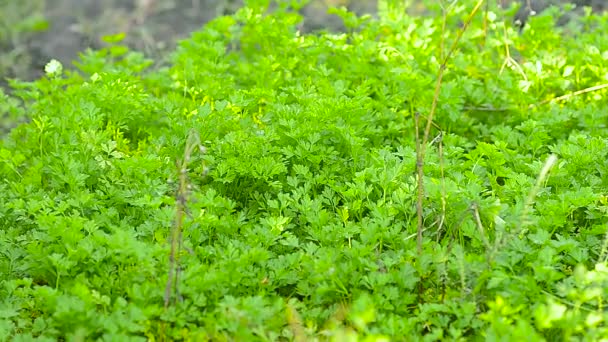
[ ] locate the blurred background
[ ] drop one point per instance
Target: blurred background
(34, 31)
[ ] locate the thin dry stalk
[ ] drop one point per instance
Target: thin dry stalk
(419, 166)
(573, 94)
(482, 232)
(542, 177)
(443, 190)
(604, 250)
(421, 146)
(510, 61)
(181, 202)
(295, 324)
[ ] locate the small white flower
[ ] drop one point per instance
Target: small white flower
(53, 68)
(95, 77)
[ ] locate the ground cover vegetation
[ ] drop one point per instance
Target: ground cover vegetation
(437, 178)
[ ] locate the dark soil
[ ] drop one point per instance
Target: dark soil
(154, 26)
(151, 26)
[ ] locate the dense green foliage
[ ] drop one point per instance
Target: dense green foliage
(300, 210)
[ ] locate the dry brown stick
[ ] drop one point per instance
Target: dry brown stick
(181, 201)
(295, 324)
(484, 239)
(419, 165)
(443, 190)
(420, 156)
(576, 93)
